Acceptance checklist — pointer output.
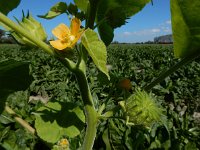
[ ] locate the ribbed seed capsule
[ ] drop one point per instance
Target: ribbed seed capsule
(141, 108)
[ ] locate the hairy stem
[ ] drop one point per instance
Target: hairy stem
(90, 112)
(20, 120)
(171, 70)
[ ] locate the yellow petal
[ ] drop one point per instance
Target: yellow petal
(75, 26)
(58, 44)
(61, 31)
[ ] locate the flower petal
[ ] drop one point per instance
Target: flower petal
(58, 44)
(75, 26)
(61, 31)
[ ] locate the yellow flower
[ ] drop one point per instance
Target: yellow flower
(67, 37)
(63, 143)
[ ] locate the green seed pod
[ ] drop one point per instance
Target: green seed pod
(141, 108)
(33, 27)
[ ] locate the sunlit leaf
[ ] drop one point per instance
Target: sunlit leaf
(14, 76)
(82, 4)
(58, 119)
(96, 49)
(56, 10)
(8, 5)
(186, 27)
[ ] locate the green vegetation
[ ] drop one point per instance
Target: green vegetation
(178, 94)
(124, 107)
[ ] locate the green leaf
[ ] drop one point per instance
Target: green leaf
(58, 119)
(72, 9)
(106, 33)
(56, 10)
(102, 79)
(186, 27)
(4, 133)
(82, 4)
(8, 5)
(14, 76)
(115, 13)
(105, 138)
(96, 49)
(116, 131)
(4, 119)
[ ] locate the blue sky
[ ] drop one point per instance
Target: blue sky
(152, 21)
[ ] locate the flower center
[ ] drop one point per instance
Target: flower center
(71, 38)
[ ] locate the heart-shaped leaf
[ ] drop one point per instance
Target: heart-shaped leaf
(82, 4)
(96, 49)
(58, 119)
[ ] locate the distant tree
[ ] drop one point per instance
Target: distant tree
(149, 42)
(6, 37)
(2, 33)
(115, 42)
(10, 39)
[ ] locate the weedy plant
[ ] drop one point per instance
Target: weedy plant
(57, 120)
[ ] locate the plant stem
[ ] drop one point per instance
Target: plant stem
(5, 20)
(171, 70)
(90, 112)
(92, 13)
(67, 63)
(20, 120)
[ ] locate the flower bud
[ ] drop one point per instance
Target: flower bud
(33, 27)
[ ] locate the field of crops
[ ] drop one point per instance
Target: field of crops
(179, 95)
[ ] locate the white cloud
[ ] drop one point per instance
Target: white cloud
(127, 33)
(166, 29)
(142, 32)
(145, 34)
(156, 30)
